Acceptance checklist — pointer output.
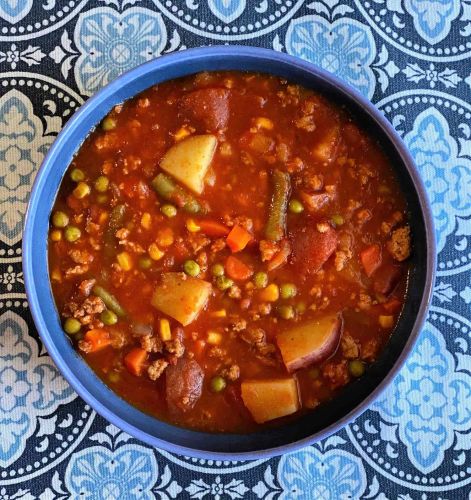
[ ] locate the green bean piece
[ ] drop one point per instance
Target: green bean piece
(217, 270)
(109, 317)
(77, 175)
(260, 279)
(110, 300)
(223, 282)
(338, 220)
(169, 191)
(191, 268)
(285, 312)
(288, 290)
(168, 210)
(72, 326)
(72, 233)
(218, 384)
(145, 263)
(60, 219)
(356, 368)
(102, 183)
(295, 206)
(276, 224)
(108, 124)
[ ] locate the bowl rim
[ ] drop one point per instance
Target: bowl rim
(186, 57)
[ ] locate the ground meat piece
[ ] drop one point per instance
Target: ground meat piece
(364, 301)
(305, 122)
(86, 286)
(350, 347)
(234, 292)
(217, 352)
(118, 338)
(184, 385)
(253, 336)
(91, 305)
(239, 325)
(264, 308)
(85, 346)
(133, 247)
(122, 234)
(175, 347)
(341, 258)
(81, 256)
(268, 249)
(218, 245)
(315, 202)
(156, 368)
(265, 349)
(312, 181)
(76, 271)
(202, 260)
(151, 343)
(363, 216)
(399, 246)
(336, 374)
(231, 373)
(197, 241)
(369, 350)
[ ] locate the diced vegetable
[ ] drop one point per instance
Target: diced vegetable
(82, 190)
(269, 294)
(72, 233)
(238, 238)
(110, 300)
(164, 329)
(213, 337)
(189, 159)
(237, 270)
(356, 368)
(220, 313)
(223, 282)
(155, 253)
(267, 399)
(134, 360)
(60, 219)
(180, 296)
(371, 259)
(285, 312)
(170, 191)
(77, 175)
(109, 317)
(192, 226)
(217, 270)
(72, 326)
(102, 183)
(386, 321)
(108, 123)
(325, 150)
(184, 384)
(168, 210)
(288, 290)
(218, 384)
(311, 249)
(295, 206)
(125, 261)
(213, 228)
(276, 225)
(191, 268)
(260, 279)
(146, 220)
(310, 342)
(97, 339)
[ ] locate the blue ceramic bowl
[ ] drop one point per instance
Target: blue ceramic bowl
(331, 416)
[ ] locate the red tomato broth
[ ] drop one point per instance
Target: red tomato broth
(129, 156)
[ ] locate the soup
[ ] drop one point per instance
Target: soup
(228, 250)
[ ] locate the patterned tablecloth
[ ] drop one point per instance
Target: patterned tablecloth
(410, 57)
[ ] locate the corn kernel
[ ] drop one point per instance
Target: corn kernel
(182, 132)
(103, 217)
(56, 235)
(269, 294)
(164, 329)
(262, 122)
(214, 338)
(221, 313)
(386, 321)
(146, 220)
(56, 275)
(165, 237)
(124, 261)
(154, 252)
(192, 226)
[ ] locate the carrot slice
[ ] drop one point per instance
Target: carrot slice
(371, 259)
(238, 238)
(237, 270)
(213, 228)
(98, 338)
(134, 360)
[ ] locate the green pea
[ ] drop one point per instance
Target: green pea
(108, 317)
(108, 124)
(314, 372)
(218, 384)
(223, 282)
(77, 175)
(191, 268)
(145, 263)
(168, 210)
(338, 220)
(217, 270)
(356, 367)
(60, 219)
(72, 326)
(82, 190)
(286, 312)
(260, 279)
(295, 206)
(288, 290)
(114, 377)
(72, 233)
(102, 183)
(301, 307)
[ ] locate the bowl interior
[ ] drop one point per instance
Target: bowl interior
(323, 420)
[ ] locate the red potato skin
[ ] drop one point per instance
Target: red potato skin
(184, 385)
(209, 108)
(386, 279)
(311, 249)
(313, 354)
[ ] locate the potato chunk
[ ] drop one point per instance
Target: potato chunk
(310, 342)
(181, 297)
(267, 399)
(189, 160)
